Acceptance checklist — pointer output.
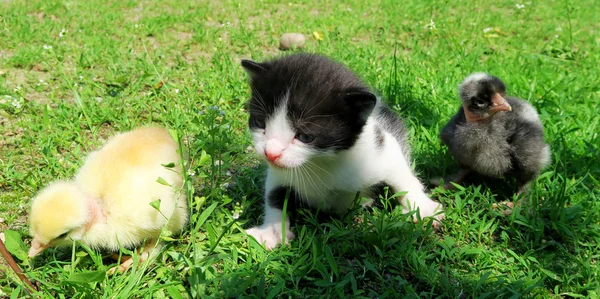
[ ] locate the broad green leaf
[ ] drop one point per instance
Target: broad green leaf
(156, 204)
(163, 182)
(15, 245)
(331, 260)
(15, 293)
(169, 165)
(205, 214)
(276, 290)
(551, 274)
(87, 277)
(173, 134)
(174, 292)
(204, 157)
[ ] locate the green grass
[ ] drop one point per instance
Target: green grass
(63, 94)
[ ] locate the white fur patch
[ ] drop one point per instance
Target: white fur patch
(278, 138)
(270, 233)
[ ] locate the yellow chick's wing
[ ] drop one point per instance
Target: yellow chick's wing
(122, 178)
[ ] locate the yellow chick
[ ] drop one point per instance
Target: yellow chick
(107, 205)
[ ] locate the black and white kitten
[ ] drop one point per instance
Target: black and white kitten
(325, 137)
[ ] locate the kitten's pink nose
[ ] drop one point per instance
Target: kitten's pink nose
(272, 156)
(274, 148)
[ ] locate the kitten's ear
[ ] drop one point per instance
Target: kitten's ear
(254, 68)
(361, 101)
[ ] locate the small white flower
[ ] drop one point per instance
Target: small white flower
(63, 32)
(47, 47)
(520, 6)
(136, 25)
(99, 99)
(80, 77)
(430, 26)
(236, 215)
(191, 173)
(176, 90)
(16, 104)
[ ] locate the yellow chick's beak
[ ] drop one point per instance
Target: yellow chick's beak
(36, 247)
(499, 104)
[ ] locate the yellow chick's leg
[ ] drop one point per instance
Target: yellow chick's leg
(150, 250)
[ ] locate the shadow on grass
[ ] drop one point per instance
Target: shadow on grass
(376, 252)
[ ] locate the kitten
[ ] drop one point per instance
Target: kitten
(325, 137)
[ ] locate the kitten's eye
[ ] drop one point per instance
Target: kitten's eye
(257, 123)
(305, 138)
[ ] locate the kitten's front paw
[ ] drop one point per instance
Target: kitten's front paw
(429, 208)
(270, 236)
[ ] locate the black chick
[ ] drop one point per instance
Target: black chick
(495, 135)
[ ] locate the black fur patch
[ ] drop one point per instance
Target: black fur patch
(277, 197)
(295, 202)
(378, 190)
(326, 100)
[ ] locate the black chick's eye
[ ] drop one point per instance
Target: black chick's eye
(479, 102)
(305, 138)
(257, 123)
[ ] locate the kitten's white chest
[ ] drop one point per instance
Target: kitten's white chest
(320, 185)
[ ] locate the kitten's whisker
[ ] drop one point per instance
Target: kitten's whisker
(301, 181)
(320, 168)
(310, 123)
(322, 115)
(315, 174)
(305, 170)
(303, 185)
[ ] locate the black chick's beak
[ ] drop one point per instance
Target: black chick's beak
(499, 103)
